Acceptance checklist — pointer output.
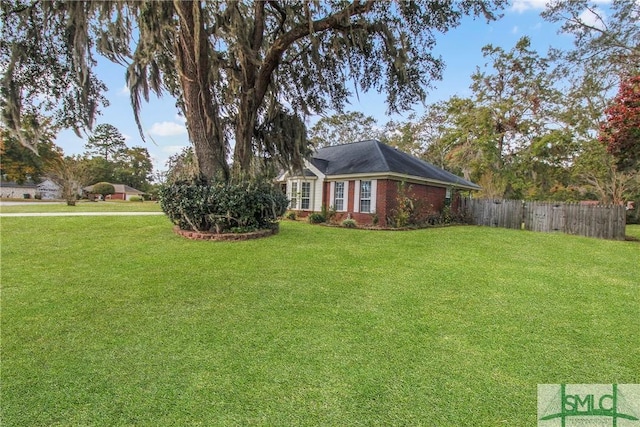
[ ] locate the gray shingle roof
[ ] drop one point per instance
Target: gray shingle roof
(375, 157)
(16, 185)
(119, 188)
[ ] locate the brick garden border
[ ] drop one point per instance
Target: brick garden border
(226, 237)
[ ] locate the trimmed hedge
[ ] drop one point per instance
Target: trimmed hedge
(222, 207)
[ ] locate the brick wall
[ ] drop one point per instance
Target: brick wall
(427, 200)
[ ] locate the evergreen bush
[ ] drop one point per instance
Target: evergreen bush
(103, 188)
(223, 207)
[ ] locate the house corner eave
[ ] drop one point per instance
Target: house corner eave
(315, 170)
(307, 165)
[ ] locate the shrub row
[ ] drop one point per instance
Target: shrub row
(223, 207)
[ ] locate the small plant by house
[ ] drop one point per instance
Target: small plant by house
(316, 218)
(349, 223)
(328, 213)
(404, 213)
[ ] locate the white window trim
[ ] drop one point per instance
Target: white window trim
(332, 192)
(293, 195)
(345, 196)
(374, 191)
(310, 198)
(298, 194)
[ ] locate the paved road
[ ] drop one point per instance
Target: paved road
(81, 214)
(41, 203)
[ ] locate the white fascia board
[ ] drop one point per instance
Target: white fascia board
(289, 175)
(314, 169)
(283, 176)
(398, 177)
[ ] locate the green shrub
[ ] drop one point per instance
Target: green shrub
(291, 215)
(103, 188)
(349, 223)
(375, 220)
(316, 218)
(135, 199)
(403, 214)
(328, 213)
(223, 207)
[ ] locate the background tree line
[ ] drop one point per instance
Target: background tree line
(107, 158)
(563, 126)
(246, 74)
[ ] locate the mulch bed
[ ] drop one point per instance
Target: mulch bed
(203, 235)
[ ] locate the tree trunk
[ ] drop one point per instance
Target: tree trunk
(244, 137)
(203, 123)
(257, 78)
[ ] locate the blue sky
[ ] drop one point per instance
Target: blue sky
(460, 48)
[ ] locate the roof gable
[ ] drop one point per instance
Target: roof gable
(372, 157)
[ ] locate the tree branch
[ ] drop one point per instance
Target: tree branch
(19, 9)
(280, 45)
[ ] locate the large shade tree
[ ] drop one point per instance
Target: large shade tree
(344, 128)
(621, 130)
(20, 164)
(244, 73)
(106, 142)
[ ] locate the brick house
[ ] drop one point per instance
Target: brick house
(122, 192)
(363, 181)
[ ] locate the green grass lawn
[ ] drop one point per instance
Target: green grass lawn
(83, 206)
(113, 321)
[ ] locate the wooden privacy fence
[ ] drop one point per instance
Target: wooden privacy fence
(601, 221)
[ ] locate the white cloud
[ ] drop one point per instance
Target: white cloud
(593, 18)
(167, 129)
(524, 5)
(124, 90)
(173, 149)
(515, 30)
(180, 118)
(162, 156)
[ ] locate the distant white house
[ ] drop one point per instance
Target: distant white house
(13, 190)
(49, 190)
(46, 190)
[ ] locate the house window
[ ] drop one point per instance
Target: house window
(305, 197)
(365, 196)
(338, 200)
(294, 195)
